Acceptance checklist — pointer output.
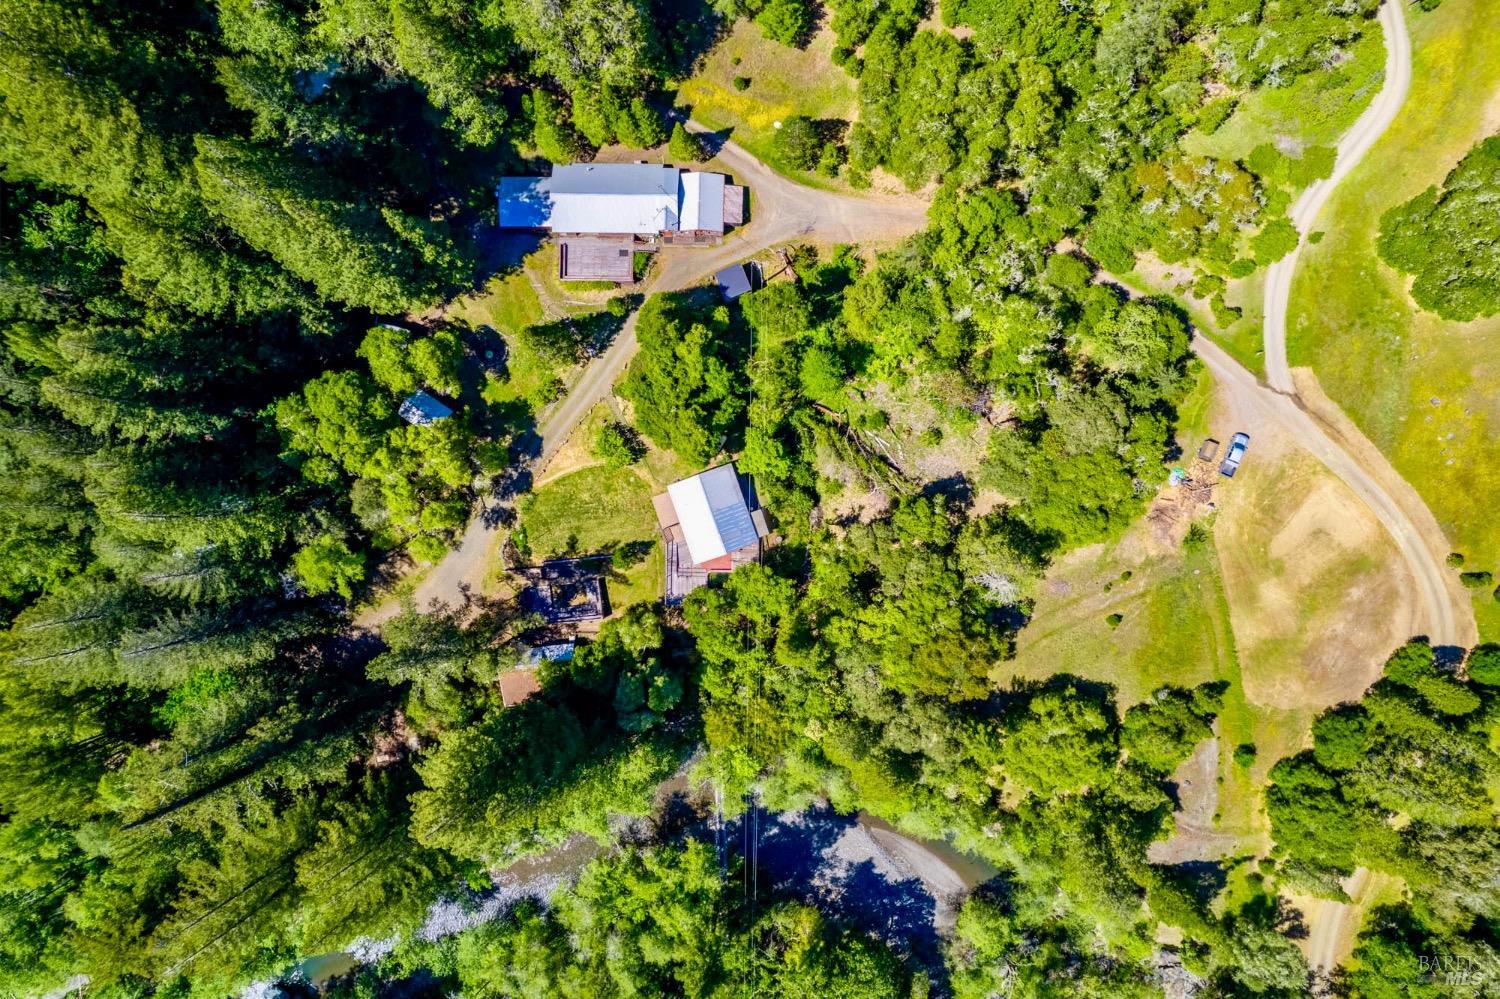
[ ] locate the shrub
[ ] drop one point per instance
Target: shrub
(327, 565)
(1114, 620)
(742, 83)
(798, 143)
(1484, 665)
(1449, 239)
(1455, 560)
(618, 445)
(1275, 241)
(1215, 114)
(1196, 537)
(684, 145)
(1244, 754)
(786, 21)
(1476, 580)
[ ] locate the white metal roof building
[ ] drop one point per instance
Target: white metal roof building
(713, 514)
(702, 202)
(642, 199)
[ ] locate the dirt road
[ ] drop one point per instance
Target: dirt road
(1327, 433)
(1352, 148)
(782, 211)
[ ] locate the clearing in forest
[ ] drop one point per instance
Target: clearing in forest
(783, 82)
(1294, 596)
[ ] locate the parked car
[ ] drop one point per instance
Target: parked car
(1231, 463)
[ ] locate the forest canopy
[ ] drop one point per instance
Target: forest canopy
(232, 235)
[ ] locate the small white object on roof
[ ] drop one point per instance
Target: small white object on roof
(712, 511)
(421, 408)
(702, 201)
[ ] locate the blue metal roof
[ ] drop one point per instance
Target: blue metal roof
(726, 501)
(733, 281)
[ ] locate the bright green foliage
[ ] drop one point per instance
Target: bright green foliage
(798, 143)
(685, 146)
(403, 364)
(1275, 241)
(1061, 745)
(617, 445)
(327, 565)
(343, 424)
(786, 21)
(685, 381)
(1450, 239)
(628, 661)
(1398, 783)
(667, 921)
(602, 42)
(1161, 732)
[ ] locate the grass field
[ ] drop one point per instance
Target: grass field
(1295, 601)
(1422, 388)
(783, 82)
(1174, 628)
(592, 510)
(588, 511)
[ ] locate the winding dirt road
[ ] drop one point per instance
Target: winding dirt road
(1325, 431)
(1330, 436)
(782, 211)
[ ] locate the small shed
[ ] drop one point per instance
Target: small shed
(733, 281)
(422, 408)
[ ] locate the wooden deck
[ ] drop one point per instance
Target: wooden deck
(596, 258)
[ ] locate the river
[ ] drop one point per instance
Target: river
(903, 889)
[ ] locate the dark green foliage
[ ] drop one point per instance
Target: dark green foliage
(552, 130)
(1244, 754)
(1455, 560)
(798, 142)
(685, 382)
(1449, 239)
(617, 445)
(1476, 580)
(742, 83)
(351, 251)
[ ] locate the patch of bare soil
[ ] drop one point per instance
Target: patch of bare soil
(922, 439)
(1175, 507)
(1317, 591)
(1194, 836)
